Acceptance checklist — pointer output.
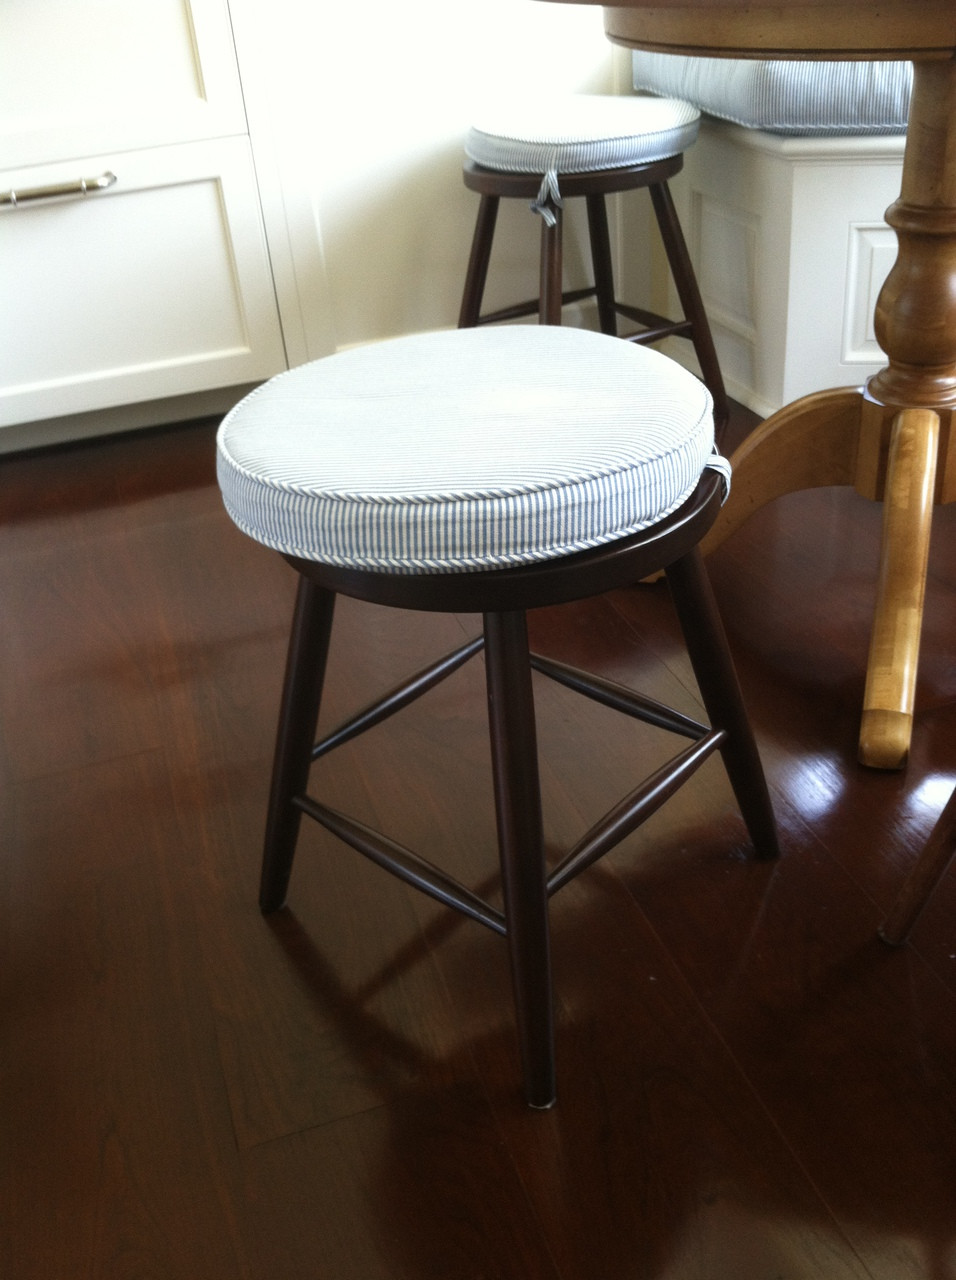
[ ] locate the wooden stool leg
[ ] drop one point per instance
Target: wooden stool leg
(714, 668)
(298, 717)
(923, 879)
(477, 273)
(550, 296)
(521, 846)
(601, 263)
(688, 291)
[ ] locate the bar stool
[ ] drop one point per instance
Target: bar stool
(488, 471)
(549, 149)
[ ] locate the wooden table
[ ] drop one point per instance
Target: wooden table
(893, 439)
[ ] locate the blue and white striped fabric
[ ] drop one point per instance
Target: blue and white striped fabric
(805, 98)
(465, 450)
(579, 134)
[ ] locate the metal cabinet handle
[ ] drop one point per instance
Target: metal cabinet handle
(79, 187)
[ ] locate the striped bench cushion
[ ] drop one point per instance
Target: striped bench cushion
(579, 134)
(466, 449)
(786, 97)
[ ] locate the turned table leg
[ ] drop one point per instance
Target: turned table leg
(894, 441)
(887, 722)
(906, 453)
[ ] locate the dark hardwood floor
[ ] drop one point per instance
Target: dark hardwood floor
(751, 1085)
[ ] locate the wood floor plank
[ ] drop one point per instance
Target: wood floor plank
(848, 1044)
(802, 655)
(115, 1133)
(424, 1189)
(750, 1084)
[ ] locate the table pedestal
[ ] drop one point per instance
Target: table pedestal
(892, 440)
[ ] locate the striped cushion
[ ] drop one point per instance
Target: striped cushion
(466, 449)
(579, 134)
(786, 97)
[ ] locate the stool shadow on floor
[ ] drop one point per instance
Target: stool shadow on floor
(646, 1093)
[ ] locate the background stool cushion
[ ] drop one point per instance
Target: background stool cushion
(465, 449)
(580, 134)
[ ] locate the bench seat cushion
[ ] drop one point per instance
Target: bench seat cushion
(785, 97)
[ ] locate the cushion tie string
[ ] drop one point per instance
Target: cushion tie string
(717, 462)
(548, 198)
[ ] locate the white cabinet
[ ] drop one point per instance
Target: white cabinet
(160, 283)
(791, 249)
(80, 77)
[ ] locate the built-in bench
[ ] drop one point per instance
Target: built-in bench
(782, 201)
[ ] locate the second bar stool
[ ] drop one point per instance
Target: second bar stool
(547, 150)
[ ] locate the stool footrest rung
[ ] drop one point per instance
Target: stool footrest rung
(532, 306)
(634, 809)
(399, 697)
(619, 697)
(650, 336)
(655, 327)
(653, 320)
(403, 863)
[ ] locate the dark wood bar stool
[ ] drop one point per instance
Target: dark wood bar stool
(489, 471)
(590, 146)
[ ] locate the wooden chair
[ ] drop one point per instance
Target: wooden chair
(587, 147)
(491, 472)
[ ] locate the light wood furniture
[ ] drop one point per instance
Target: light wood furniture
(891, 439)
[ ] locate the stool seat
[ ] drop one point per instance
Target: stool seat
(465, 450)
(580, 134)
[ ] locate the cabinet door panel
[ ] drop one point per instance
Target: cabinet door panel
(80, 77)
(158, 286)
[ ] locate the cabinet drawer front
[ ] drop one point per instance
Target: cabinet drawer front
(108, 75)
(157, 285)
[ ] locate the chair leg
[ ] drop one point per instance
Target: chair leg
(550, 290)
(717, 679)
(477, 273)
(688, 291)
(521, 846)
(601, 263)
(298, 717)
(935, 857)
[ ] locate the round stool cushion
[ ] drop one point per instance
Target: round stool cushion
(580, 134)
(465, 449)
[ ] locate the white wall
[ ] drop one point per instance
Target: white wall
(374, 100)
